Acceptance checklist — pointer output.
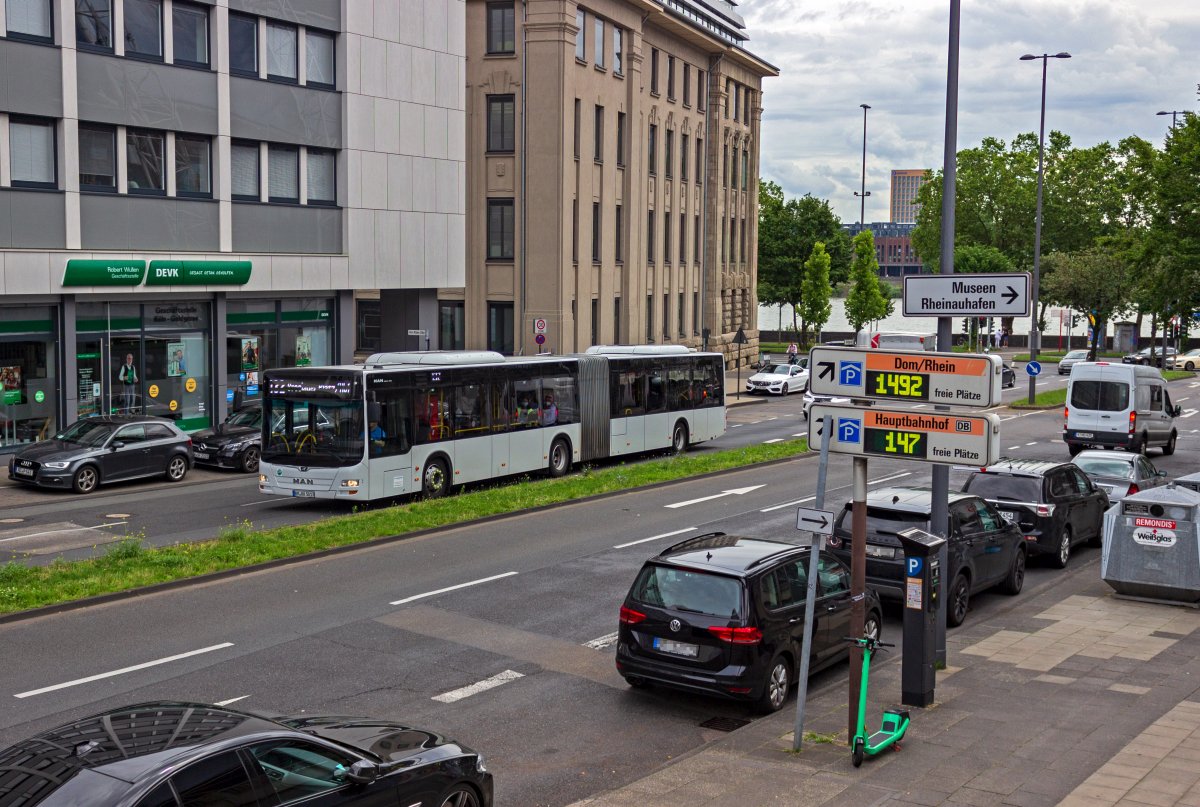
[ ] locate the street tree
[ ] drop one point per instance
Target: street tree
(866, 301)
(1096, 279)
(814, 304)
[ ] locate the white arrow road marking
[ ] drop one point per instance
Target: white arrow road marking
(122, 671)
(1012, 448)
(1187, 413)
(774, 440)
(602, 642)
(452, 588)
(479, 686)
(231, 700)
(655, 537)
(733, 492)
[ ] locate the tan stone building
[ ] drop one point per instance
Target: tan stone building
(612, 176)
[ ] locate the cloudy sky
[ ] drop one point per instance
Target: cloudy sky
(1130, 59)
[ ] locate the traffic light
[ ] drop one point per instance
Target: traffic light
(1074, 320)
(966, 325)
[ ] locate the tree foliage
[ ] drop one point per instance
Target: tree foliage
(866, 301)
(814, 304)
(976, 258)
(1096, 279)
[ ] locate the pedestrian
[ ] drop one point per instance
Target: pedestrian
(128, 378)
(792, 350)
(1003, 336)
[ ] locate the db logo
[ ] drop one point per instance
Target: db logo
(962, 426)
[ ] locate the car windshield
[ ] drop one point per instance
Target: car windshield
(775, 369)
(1004, 487)
(1105, 396)
(87, 433)
(321, 433)
(686, 590)
(1076, 354)
(246, 417)
(1104, 466)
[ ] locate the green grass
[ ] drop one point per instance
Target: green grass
(1043, 400)
(1052, 357)
(130, 564)
(1178, 375)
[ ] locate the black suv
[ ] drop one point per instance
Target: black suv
(984, 549)
(1054, 503)
(724, 615)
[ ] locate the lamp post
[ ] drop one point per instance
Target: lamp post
(863, 193)
(1035, 336)
(1173, 113)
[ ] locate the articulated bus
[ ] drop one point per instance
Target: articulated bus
(406, 423)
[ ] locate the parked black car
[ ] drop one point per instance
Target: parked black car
(167, 754)
(724, 615)
(236, 443)
(1143, 356)
(983, 549)
(1008, 376)
(98, 450)
(1054, 503)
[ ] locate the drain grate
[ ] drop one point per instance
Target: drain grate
(724, 723)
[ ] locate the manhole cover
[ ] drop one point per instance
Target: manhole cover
(11, 520)
(724, 723)
(117, 515)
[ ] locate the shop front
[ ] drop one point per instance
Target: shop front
(29, 389)
(262, 334)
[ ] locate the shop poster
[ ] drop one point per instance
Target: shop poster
(250, 353)
(303, 351)
(176, 363)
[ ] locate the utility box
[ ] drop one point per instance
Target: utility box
(1152, 546)
(923, 579)
(1191, 482)
(1125, 337)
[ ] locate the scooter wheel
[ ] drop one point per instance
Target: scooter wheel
(856, 756)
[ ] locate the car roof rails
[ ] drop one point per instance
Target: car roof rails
(767, 558)
(687, 543)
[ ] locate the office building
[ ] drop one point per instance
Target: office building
(893, 247)
(905, 184)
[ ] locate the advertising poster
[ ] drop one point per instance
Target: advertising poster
(176, 364)
(10, 384)
(303, 351)
(250, 353)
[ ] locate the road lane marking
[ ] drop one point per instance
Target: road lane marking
(479, 686)
(602, 642)
(656, 537)
(1012, 448)
(788, 504)
(1187, 413)
(722, 494)
(802, 434)
(122, 671)
(264, 501)
(452, 588)
(1034, 443)
(56, 532)
(231, 700)
(773, 440)
(736, 426)
(839, 487)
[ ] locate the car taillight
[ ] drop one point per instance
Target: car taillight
(1133, 488)
(737, 635)
(1066, 413)
(630, 616)
(1132, 422)
(1045, 510)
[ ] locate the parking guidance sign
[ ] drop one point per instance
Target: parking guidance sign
(995, 294)
(908, 434)
(954, 379)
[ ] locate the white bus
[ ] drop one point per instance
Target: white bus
(407, 423)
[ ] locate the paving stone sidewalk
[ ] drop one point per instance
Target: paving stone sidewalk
(1067, 696)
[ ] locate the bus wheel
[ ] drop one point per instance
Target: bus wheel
(560, 458)
(679, 438)
(436, 479)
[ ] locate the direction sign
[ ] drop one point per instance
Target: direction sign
(815, 521)
(909, 434)
(1033, 367)
(417, 332)
(959, 379)
(995, 294)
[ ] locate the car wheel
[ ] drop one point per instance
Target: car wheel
(435, 481)
(1073, 449)
(560, 458)
(1189, 366)
(460, 796)
(775, 688)
(1063, 555)
(1169, 448)
(873, 626)
(1015, 580)
(679, 438)
(250, 460)
(177, 468)
(1143, 446)
(86, 479)
(960, 601)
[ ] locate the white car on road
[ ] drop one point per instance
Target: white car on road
(779, 379)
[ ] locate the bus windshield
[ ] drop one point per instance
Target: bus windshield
(319, 433)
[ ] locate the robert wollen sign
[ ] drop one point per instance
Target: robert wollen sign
(996, 294)
(906, 434)
(954, 379)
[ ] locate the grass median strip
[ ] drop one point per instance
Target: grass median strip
(1043, 400)
(129, 564)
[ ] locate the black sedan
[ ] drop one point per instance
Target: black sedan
(1008, 376)
(98, 450)
(236, 443)
(1150, 355)
(168, 754)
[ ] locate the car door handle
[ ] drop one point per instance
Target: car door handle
(829, 609)
(795, 619)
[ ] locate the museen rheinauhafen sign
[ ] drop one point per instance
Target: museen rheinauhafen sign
(997, 294)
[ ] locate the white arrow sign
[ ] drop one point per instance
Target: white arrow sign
(734, 492)
(815, 521)
(995, 294)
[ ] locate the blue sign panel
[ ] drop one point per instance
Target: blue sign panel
(914, 566)
(1033, 368)
(849, 430)
(850, 373)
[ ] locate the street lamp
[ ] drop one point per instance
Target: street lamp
(1173, 113)
(864, 193)
(1035, 336)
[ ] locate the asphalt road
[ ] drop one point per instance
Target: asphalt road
(416, 630)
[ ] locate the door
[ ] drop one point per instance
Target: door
(833, 605)
(1099, 403)
(1068, 505)
(130, 458)
(127, 386)
(300, 772)
(1156, 418)
(999, 542)
(1094, 501)
(160, 445)
(783, 592)
(220, 779)
(967, 529)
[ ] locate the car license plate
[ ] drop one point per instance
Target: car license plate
(200, 455)
(676, 648)
(1009, 516)
(24, 471)
(304, 494)
(1085, 435)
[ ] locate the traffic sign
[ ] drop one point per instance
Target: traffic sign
(539, 326)
(909, 434)
(1033, 368)
(418, 332)
(815, 521)
(959, 379)
(540, 338)
(994, 294)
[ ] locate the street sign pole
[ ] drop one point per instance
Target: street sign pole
(858, 585)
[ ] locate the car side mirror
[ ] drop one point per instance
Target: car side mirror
(117, 444)
(362, 772)
(1162, 473)
(1177, 411)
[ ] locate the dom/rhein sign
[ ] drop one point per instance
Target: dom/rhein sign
(954, 379)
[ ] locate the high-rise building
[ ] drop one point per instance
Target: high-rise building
(905, 184)
(612, 180)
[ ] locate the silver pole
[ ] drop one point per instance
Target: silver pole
(1035, 336)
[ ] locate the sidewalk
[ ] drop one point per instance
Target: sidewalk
(1069, 696)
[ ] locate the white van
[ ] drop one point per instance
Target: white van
(893, 340)
(1125, 405)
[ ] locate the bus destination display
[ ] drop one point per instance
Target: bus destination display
(940, 378)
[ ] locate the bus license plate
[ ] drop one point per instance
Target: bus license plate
(676, 648)
(304, 494)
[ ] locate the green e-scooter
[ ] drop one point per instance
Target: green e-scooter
(895, 721)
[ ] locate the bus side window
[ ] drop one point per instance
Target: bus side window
(500, 406)
(560, 391)
(527, 413)
(656, 400)
(679, 389)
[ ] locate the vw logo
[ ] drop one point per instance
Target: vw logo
(676, 625)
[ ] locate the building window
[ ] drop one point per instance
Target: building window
(501, 28)
(728, 96)
(616, 320)
(32, 154)
(746, 107)
(598, 45)
(682, 241)
(143, 28)
(742, 249)
(595, 322)
(650, 318)
(654, 71)
(318, 59)
(652, 157)
(452, 321)
(666, 238)
(368, 335)
(699, 160)
(193, 166)
(28, 19)
(97, 158)
(578, 115)
(687, 84)
(244, 173)
(696, 237)
(598, 131)
(321, 167)
(681, 320)
(737, 102)
(283, 174)
(282, 52)
(695, 313)
(500, 328)
(243, 45)
(93, 23)
(500, 229)
(595, 232)
(650, 236)
(670, 78)
(669, 154)
(189, 33)
(621, 139)
(581, 36)
(145, 154)
(725, 165)
(501, 123)
(619, 239)
(701, 90)
(683, 157)
(745, 166)
(733, 169)
(575, 230)
(666, 323)
(618, 51)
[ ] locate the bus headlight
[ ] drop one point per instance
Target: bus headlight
(349, 483)
(262, 479)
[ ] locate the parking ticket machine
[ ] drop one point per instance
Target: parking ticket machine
(922, 584)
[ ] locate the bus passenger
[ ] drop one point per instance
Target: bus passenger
(527, 413)
(549, 410)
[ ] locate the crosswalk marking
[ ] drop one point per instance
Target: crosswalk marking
(479, 686)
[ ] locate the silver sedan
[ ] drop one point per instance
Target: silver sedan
(1119, 474)
(1070, 360)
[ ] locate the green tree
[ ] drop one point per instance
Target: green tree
(865, 302)
(1095, 279)
(1176, 214)
(976, 258)
(814, 304)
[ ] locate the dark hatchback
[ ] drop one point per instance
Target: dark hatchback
(235, 443)
(98, 450)
(181, 754)
(724, 615)
(983, 549)
(1055, 504)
